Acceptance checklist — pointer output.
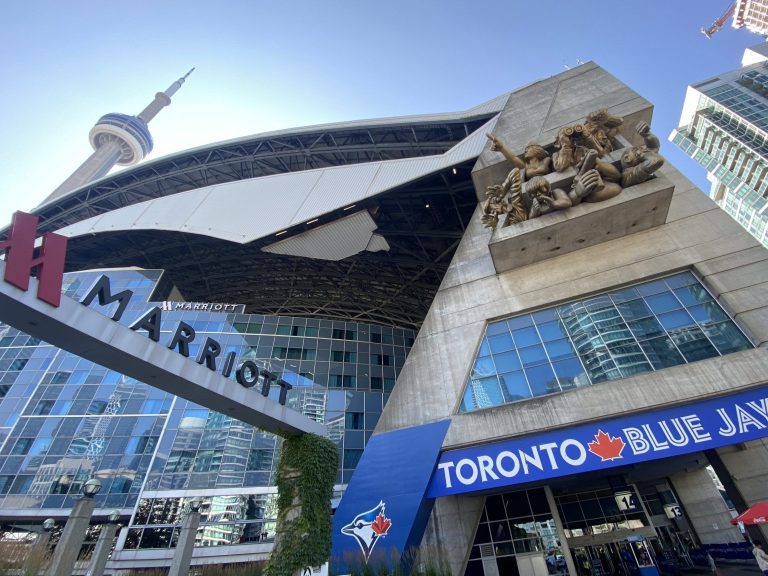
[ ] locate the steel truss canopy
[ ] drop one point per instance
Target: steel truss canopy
(411, 175)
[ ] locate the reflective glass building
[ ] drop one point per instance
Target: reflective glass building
(65, 420)
(724, 127)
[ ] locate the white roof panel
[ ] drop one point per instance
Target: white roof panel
(337, 188)
(245, 210)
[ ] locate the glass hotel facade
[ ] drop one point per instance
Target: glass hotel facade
(64, 420)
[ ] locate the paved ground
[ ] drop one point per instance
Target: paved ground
(750, 569)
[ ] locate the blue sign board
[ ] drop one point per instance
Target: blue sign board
(639, 438)
(384, 511)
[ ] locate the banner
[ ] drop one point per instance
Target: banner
(639, 438)
(384, 512)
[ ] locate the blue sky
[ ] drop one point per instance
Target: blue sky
(265, 65)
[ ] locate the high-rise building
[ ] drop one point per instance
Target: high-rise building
(573, 375)
(724, 127)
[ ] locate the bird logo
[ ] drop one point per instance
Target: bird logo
(368, 527)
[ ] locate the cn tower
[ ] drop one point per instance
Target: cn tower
(118, 139)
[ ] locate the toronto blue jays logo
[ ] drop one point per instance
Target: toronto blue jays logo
(368, 527)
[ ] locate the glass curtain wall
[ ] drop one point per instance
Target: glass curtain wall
(646, 327)
(64, 419)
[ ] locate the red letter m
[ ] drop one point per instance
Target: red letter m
(20, 260)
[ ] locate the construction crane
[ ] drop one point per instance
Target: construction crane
(717, 24)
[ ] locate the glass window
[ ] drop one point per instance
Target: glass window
(662, 352)
(552, 331)
(501, 343)
(676, 319)
(22, 446)
(726, 337)
(692, 295)
(645, 328)
(485, 392)
(525, 337)
(693, 344)
(485, 367)
(663, 302)
(558, 349)
(532, 355)
(650, 326)
(353, 421)
(504, 362)
(634, 309)
(351, 458)
(708, 313)
(515, 386)
(570, 374)
(542, 380)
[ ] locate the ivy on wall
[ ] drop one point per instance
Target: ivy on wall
(305, 478)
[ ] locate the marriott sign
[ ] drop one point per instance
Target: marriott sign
(81, 330)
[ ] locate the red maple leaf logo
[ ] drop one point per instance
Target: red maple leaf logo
(381, 525)
(607, 447)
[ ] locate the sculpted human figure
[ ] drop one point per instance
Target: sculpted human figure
(640, 162)
(535, 160)
(600, 128)
(495, 205)
(597, 133)
(541, 198)
(504, 199)
(595, 180)
(570, 150)
(526, 194)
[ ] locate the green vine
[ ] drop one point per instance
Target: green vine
(305, 478)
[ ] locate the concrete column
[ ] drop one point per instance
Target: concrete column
(103, 547)
(68, 548)
(564, 548)
(704, 507)
(451, 529)
(743, 470)
(37, 553)
(183, 555)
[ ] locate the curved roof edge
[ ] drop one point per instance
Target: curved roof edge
(494, 105)
(246, 210)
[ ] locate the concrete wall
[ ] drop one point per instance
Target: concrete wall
(696, 235)
(747, 465)
(702, 501)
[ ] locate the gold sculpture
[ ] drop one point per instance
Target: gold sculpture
(640, 162)
(535, 161)
(526, 193)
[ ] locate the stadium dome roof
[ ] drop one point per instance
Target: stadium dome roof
(352, 221)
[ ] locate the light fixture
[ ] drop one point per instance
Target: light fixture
(455, 171)
(91, 488)
(113, 517)
(48, 524)
(313, 221)
(281, 233)
(350, 207)
(426, 205)
(194, 504)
